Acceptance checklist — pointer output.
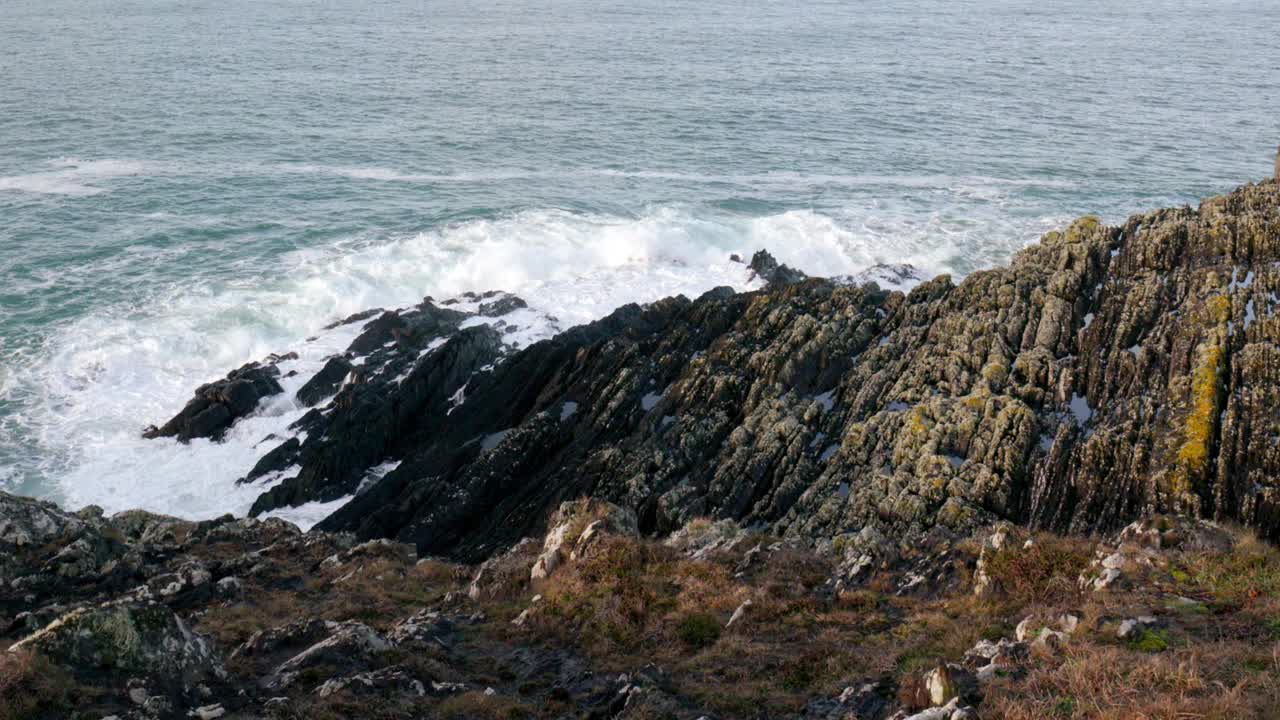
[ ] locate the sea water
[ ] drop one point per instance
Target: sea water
(188, 185)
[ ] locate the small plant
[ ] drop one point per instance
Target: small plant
(1151, 641)
(698, 630)
(1064, 707)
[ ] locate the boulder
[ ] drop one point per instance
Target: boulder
(129, 638)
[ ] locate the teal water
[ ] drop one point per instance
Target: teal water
(187, 185)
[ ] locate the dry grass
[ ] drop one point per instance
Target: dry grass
(1109, 683)
(1045, 573)
(1249, 575)
(31, 686)
(377, 592)
(476, 705)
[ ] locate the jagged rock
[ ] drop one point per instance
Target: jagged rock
(1165, 532)
(355, 318)
(148, 528)
(764, 266)
(1041, 631)
(25, 522)
(951, 711)
(372, 550)
(502, 304)
(902, 276)
(189, 577)
(424, 628)
(326, 382)
(217, 405)
(1131, 627)
(989, 660)
(208, 712)
(505, 573)
(349, 647)
(294, 635)
(869, 701)
(1105, 374)
(377, 417)
(1002, 538)
(1137, 554)
(701, 537)
(230, 587)
(948, 682)
(379, 682)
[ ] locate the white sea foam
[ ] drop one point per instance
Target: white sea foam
(77, 177)
(100, 379)
(71, 176)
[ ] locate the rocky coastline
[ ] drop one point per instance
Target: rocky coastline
(1106, 374)
(1047, 490)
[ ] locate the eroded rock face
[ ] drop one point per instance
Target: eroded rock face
(1107, 373)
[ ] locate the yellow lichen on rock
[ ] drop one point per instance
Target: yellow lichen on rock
(1194, 453)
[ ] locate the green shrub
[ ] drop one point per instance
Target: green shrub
(1152, 641)
(698, 630)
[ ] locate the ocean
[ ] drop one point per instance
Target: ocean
(188, 185)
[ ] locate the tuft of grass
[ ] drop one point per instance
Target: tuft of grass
(31, 686)
(698, 630)
(1249, 574)
(1114, 683)
(1044, 573)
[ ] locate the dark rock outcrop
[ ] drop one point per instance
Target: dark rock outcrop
(1108, 372)
(326, 382)
(765, 267)
(217, 405)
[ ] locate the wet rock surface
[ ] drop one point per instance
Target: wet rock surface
(1105, 374)
(217, 405)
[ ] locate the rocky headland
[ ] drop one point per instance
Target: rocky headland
(1048, 490)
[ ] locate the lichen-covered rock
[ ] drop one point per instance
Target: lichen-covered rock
(129, 638)
(1107, 373)
(25, 522)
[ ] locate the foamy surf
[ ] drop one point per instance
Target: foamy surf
(86, 394)
(75, 177)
